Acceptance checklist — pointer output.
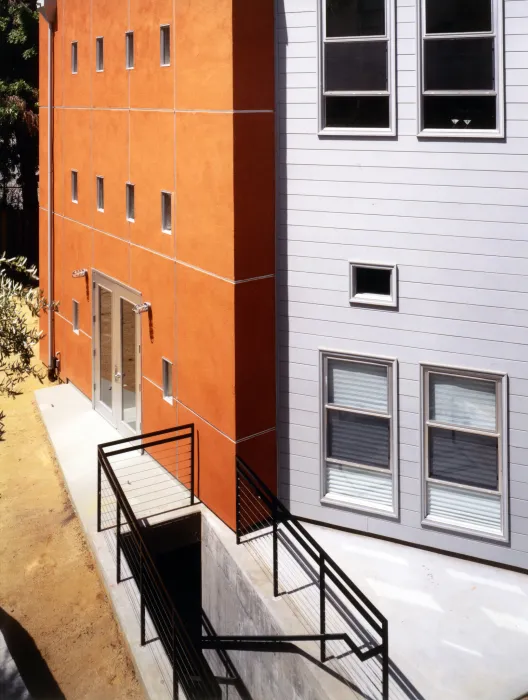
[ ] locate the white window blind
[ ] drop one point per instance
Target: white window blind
(358, 434)
(358, 386)
(465, 509)
(463, 401)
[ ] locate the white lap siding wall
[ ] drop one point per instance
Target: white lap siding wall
(453, 215)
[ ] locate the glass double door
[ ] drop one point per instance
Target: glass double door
(116, 356)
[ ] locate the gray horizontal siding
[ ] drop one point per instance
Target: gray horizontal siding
(453, 215)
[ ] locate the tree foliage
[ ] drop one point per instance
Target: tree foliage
(20, 302)
(19, 100)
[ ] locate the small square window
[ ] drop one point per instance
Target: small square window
(74, 55)
(129, 49)
(130, 203)
(99, 54)
(74, 186)
(165, 45)
(373, 284)
(75, 316)
(166, 213)
(166, 370)
(100, 193)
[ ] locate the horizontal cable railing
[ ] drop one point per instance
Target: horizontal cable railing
(259, 514)
(173, 449)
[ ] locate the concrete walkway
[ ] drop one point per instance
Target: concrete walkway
(458, 629)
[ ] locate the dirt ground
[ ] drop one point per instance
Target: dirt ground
(48, 579)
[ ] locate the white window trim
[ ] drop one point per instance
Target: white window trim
(162, 44)
(127, 187)
(75, 176)
(502, 424)
(129, 54)
(99, 178)
(498, 32)
(166, 396)
(99, 42)
(75, 326)
(391, 363)
(385, 300)
(169, 194)
(390, 37)
(76, 51)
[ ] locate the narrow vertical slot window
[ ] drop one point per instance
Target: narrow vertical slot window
(100, 193)
(129, 49)
(166, 370)
(357, 68)
(99, 54)
(130, 203)
(165, 45)
(74, 186)
(166, 213)
(75, 316)
(74, 57)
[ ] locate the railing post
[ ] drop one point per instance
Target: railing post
(322, 605)
(237, 503)
(118, 543)
(141, 596)
(98, 493)
(192, 464)
(385, 660)
(275, 551)
(174, 673)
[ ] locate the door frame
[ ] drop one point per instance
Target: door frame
(133, 296)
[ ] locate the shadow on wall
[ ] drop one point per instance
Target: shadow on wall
(29, 677)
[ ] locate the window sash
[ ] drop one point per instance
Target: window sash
(389, 38)
(499, 434)
(497, 92)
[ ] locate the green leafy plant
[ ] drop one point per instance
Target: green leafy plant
(20, 302)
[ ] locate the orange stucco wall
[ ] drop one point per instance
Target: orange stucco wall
(203, 129)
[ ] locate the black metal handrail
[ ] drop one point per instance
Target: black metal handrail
(190, 668)
(257, 516)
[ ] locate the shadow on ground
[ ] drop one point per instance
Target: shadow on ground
(29, 677)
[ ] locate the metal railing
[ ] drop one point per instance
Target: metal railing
(259, 510)
(190, 670)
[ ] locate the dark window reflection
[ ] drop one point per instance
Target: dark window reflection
(356, 66)
(463, 458)
(459, 64)
(448, 16)
(465, 112)
(355, 18)
(357, 112)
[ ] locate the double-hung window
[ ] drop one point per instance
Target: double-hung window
(464, 451)
(359, 416)
(357, 67)
(461, 65)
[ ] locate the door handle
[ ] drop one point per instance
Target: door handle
(117, 375)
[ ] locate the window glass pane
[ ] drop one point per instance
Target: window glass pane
(359, 439)
(462, 508)
(459, 64)
(356, 66)
(465, 112)
(449, 16)
(355, 18)
(463, 401)
(128, 363)
(372, 280)
(357, 385)
(105, 346)
(357, 112)
(463, 458)
(359, 486)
